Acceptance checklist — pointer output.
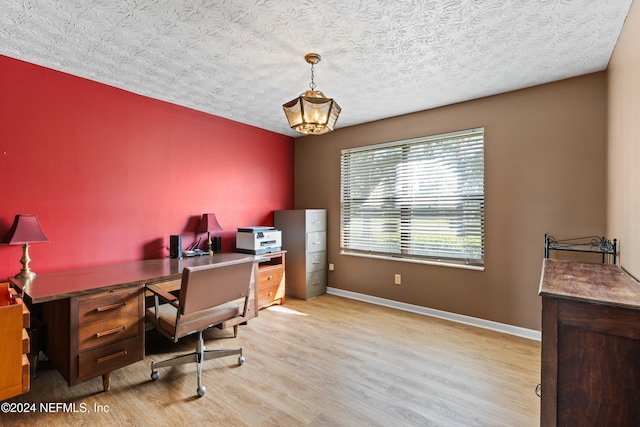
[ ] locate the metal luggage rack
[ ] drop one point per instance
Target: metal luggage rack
(592, 244)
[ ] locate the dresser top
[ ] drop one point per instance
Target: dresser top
(596, 283)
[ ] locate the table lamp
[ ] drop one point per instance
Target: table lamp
(209, 223)
(25, 229)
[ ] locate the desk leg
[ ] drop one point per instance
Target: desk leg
(106, 381)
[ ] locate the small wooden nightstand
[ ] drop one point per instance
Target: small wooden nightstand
(271, 280)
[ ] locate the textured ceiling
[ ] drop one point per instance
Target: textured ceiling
(243, 59)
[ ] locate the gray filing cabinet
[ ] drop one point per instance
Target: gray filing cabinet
(304, 237)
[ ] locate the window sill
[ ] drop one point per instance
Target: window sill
(416, 261)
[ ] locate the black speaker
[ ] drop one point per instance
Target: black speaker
(216, 242)
(175, 246)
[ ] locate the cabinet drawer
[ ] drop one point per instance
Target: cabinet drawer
(26, 342)
(316, 261)
(316, 283)
(107, 317)
(316, 241)
(269, 275)
(26, 374)
(316, 220)
(108, 358)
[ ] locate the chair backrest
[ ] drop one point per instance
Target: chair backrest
(211, 285)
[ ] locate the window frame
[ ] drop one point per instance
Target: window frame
(403, 223)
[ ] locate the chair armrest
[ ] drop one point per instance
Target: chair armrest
(161, 293)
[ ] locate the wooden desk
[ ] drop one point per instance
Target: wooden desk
(590, 345)
(94, 316)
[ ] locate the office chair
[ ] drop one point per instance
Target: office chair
(207, 298)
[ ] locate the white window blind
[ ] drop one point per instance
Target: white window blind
(419, 199)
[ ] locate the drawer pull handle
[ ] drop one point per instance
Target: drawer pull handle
(270, 293)
(111, 331)
(111, 307)
(269, 277)
(112, 356)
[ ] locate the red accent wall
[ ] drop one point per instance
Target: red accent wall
(112, 174)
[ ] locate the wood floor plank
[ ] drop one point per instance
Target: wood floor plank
(329, 361)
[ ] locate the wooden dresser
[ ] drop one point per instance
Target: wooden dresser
(590, 345)
(270, 286)
(15, 374)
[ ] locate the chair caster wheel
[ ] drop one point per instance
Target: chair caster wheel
(155, 375)
(201, 390)
(240, 360)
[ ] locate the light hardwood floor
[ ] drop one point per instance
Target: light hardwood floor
(329, 361)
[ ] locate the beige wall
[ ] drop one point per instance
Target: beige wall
(623, 189)
(544, 172)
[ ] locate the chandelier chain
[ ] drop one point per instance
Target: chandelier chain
(312, 85)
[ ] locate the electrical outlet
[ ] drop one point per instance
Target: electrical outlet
(331, 266)
(398, 279)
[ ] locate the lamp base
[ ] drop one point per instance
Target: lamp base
(209, 243)
(26, 272)
(25, 275)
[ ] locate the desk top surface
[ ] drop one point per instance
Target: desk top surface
(62, 284)
(596, 283)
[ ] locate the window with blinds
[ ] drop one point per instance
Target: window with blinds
(420, 199)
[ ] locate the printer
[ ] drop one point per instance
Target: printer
(258, 240)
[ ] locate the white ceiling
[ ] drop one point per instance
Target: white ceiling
(243, 59)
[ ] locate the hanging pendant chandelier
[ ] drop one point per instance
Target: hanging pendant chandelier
(311, 113)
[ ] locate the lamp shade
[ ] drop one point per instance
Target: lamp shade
(209, 222)
(25, 229)
(312, 113)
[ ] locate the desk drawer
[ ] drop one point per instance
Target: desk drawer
(108, 358)
(107, 317)
(270, 294)
(269, 275)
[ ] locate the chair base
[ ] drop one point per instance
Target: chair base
(198, 357)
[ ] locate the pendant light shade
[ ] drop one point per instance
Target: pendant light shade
(312, 113)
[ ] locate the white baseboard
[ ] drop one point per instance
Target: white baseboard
(459, 318)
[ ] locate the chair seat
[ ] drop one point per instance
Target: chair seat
(191, 322)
